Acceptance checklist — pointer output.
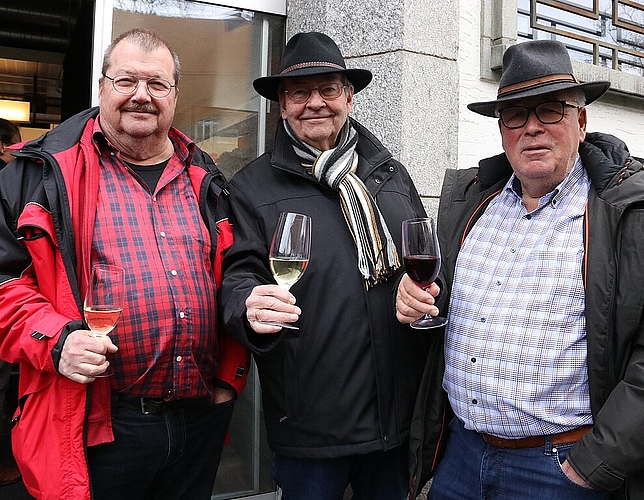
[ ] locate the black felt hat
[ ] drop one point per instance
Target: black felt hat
(309, 54)
(534, 68)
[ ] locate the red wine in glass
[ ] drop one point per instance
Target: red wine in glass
(422, 261)
(422, 269)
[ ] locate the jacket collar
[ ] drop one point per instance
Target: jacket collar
(603, 156)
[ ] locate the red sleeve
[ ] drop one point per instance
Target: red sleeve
(234, 359)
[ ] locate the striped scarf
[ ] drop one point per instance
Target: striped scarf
(336, 168)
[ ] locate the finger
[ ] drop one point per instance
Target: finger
(111, 347)
(260, 320)
(82, 374)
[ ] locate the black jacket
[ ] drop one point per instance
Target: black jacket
(611, 456)
(346, 382)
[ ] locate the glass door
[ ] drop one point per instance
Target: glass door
(222, 50)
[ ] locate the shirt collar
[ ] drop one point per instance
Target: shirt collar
(572, 178)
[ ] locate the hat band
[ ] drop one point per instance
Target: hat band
(536, 82)
(312, 64)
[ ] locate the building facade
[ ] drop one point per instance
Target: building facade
(429, 59)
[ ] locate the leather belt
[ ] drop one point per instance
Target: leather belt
(571, 436)
(152, 406)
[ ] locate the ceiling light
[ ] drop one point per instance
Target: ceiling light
(15, 111)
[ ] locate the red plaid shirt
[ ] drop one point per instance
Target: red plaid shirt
(166, 335)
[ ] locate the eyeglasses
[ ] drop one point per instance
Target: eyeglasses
(127, 84)
(546, 112)
(327, 91)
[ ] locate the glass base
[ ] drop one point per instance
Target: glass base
(107, 373)
(428, 322)
(288, 326)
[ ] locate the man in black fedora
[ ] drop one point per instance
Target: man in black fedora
(338, 392)
(542, 283)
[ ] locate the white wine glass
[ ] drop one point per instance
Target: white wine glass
(422, 261)
(289, 253)
(104, 300)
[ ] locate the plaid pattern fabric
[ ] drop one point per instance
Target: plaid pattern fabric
(515, 350)
(166, 335)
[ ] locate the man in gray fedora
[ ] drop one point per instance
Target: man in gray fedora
(538, 388)
(339, 392)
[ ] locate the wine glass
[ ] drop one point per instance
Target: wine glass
(104, 301)
(289, 253)
(422, 260)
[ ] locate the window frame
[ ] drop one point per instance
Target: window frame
(499, 30)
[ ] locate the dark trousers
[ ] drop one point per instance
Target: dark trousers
(374, 476)
(171, 455)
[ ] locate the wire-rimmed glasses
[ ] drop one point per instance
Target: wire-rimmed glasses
(328, 92)
(547, 113)
(127, 84)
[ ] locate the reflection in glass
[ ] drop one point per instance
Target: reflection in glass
(222, 50)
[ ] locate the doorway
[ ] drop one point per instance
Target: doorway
(45, 59)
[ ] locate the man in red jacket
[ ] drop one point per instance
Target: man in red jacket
(118, 185)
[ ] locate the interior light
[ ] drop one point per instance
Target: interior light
(15, 111)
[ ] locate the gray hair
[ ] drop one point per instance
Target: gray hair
(147, 40)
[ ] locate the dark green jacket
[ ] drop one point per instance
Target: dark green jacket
(611, 456)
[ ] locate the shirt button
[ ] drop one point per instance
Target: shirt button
(154, 198)
(182, 315)
(179, 358)
(473, 360)
(162, 233)
(173, 272)
(498, 283)
(168, 393)
(386, 439)
(513, 250)
(392, 169)
(474, 401)
(483, 320)
(377, 181)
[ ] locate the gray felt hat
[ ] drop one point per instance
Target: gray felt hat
(534, 68)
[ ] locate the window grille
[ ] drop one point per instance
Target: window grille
(608, 33)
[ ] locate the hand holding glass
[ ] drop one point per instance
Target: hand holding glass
(289, 252)
(104, 300)
(422, 261)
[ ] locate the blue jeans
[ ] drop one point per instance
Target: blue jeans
(374, 476)
(474, 470)
(171, 455)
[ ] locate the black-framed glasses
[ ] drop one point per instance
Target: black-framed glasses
(547, 113)
(127, 84)
(328, 92)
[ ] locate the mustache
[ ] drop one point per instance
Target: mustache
(141, 108)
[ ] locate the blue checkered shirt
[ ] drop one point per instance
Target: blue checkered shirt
(515, 349)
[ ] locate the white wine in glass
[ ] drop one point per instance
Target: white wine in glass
(289, 252)
(104, 300)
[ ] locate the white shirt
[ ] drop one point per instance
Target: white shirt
(515, 349)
